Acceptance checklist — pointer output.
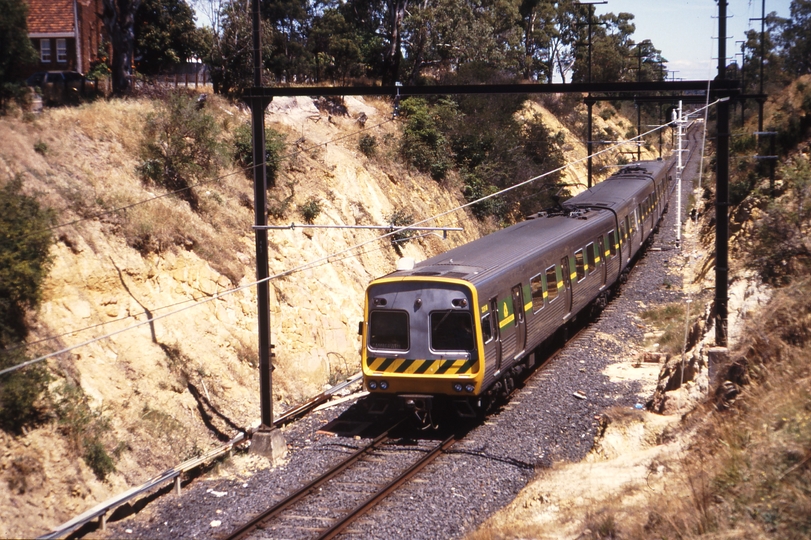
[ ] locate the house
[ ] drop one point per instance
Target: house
(66, 33)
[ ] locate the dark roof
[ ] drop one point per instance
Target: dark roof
(50, 16)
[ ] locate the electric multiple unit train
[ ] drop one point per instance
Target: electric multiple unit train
(457, 328)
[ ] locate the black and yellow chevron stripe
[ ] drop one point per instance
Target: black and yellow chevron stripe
(422, 367)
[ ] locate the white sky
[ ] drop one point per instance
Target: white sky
(686, 31)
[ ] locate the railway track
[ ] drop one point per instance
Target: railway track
(357, 483)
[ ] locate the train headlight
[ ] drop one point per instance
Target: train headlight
(469, 388)
(384, 385)
(372, 385)
(457, 387)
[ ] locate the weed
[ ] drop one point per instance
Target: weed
(310, 210)
(180, 147)
(84, 428)
(368, 145)
(41, 147)
(400, 218)
(274, 151)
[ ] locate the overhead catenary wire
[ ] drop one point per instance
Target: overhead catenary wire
(326, 258)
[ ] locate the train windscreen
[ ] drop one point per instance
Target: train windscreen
(388, 330)
(451, 331)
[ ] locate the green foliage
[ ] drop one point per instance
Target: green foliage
(608, 113)
(230, 67)
(21, 392)
(781, 249)
(423, 144)
(16, 51)
(40, 147)
(368, 145)
(275, 146)
(180, 147)
(166, 36)
(85, 428)
(25, 242)
(100, 67)
(400, 218)
(310, 210)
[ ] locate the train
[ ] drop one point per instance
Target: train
(456, 331)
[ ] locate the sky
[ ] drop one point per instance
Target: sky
(686, 31)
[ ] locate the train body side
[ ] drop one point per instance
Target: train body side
(456, 324)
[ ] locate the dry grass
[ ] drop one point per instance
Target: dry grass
(748, 473)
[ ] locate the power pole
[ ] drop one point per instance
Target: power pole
(268, 440)
(589, 101)
(722, 191)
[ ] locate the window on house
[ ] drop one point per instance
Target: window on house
(45, 50)
(61, 50)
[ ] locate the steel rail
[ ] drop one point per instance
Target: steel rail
(278, 508)
(101, 510)
(404, 477)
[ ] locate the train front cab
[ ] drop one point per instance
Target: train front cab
(422, 341)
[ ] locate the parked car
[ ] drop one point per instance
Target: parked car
(58, 87)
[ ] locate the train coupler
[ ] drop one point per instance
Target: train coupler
(421, 405)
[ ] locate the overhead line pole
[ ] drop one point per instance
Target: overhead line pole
(268, 440)
(589, 101)
(722, 192)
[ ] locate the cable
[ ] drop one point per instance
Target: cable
(326, 258)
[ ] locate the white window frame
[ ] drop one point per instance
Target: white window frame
(62, 50)
(45, 51)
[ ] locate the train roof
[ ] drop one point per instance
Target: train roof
(613, 192)
(476, 260)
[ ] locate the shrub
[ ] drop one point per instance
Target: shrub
(21, 392)
(40, 147)
(274, 151)
(400, 218)
(310, 210)
(423, 144)
(84, 428)
(180, 146)
(25, 242)
(368, 145)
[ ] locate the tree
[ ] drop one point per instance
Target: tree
(797, 36)
(166, 35)
(119, 19)
(231, 54)
(16, 51)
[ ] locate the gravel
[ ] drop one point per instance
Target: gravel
(543, 423)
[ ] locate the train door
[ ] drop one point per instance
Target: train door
(496, 331)
(566, 270)
(520, 321)
(602, 256)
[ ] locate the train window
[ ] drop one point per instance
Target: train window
(451, 331)
(552, 282)
(612, 243)
(537, 287)
(599, 250)
(591, 264)
(388, 330)
(580, 264)
(623, 234)
(487, 328)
